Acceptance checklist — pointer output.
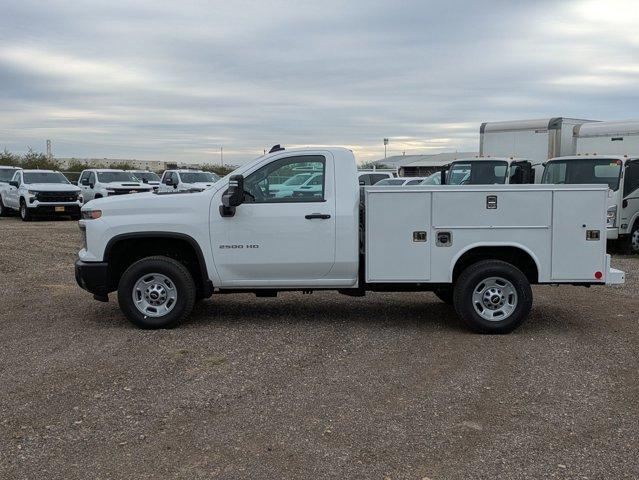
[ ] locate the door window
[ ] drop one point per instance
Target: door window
(376, 177)
(631, 178)
(268, 184)
(365, 179)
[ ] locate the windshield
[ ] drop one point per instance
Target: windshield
(434, 179)
(587, 170)
(6, 174)
(148, 176)
(197, 177)
(480, 172)
(44, 177)
(108, 177)
(391, 181)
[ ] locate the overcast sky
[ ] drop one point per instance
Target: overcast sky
(175, 80)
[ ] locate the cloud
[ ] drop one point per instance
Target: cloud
(179, 79)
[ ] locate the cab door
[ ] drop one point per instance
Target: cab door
(13, 198)
(630, 202)
(278, 242)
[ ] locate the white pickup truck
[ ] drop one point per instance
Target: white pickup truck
(477, 247)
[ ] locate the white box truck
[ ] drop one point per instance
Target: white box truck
(536, 140)
(477, 247)
(606, 152)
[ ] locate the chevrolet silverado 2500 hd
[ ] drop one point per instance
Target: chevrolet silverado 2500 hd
(477, 247)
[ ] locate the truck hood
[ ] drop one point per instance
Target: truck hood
(125, 185)
(52, 187)
(201, 185)
(142, 205)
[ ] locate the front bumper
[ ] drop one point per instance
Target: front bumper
(40, 208)
(612, 233)
(93, 277)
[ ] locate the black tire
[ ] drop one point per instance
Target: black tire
(25, 215)
(76, 216)
(632, 243)
(512, 279)
(445, 295)
(177, 273)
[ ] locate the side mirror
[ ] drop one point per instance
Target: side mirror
(233, 197)
(362, 183)
(13, 183)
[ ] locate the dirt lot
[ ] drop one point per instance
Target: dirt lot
(308, 386)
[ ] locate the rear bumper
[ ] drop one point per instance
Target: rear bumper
(614, 276)
(93, 277)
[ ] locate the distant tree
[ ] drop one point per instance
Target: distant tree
(121, 166)
(222, 171)
(9, 159)
(370, 165)
(38, 160)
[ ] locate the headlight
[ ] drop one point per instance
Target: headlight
(611, 216)
(91, 214)
(32, 192)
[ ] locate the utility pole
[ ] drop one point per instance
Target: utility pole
(221, 156)
(385, 143)
(49, 153)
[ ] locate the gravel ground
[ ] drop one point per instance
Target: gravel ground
(389, 386)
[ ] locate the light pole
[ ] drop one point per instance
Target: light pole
(385, 143)
(221, 156)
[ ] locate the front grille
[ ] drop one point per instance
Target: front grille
(52, 197)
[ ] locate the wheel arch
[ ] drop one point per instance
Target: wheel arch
(514, 253)
(124, 249)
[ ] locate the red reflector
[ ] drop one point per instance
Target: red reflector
(598, 275)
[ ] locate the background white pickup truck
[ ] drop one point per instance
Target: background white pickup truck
(40, 192)
(478, 247)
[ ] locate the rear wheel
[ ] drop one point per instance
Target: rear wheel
(25, 214)
(492, 296)
(3, 210)
(633, 241)
(156, 292)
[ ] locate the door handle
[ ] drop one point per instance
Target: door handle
(322, 216)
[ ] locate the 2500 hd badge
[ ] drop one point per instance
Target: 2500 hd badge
(238, 247)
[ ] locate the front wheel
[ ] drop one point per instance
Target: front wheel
(492, 296)
(156, 292)
(25, 214)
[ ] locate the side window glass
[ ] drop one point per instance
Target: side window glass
(176, 178)
(272, 183)
(631, 178)
(92, 178)
(365, 179)
(376, 177)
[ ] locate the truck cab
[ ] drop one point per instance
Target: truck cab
(620, 173)
(490, 171)
(147, 177)
(39, 192)
(470, 244)
(105, 182)
(7, 172)
(186, 180)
